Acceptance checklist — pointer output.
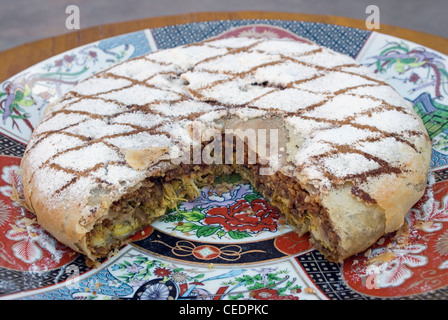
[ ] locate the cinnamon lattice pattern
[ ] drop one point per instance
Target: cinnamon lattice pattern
(348, 115)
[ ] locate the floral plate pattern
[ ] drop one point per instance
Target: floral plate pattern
(228, 244)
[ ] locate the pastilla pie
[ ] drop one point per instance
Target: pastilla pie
(340, 153)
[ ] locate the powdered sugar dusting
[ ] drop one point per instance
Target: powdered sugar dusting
(82, 159)
(238, 62)
(140, 69)
(347, 120)
(282, 74)
(327, 58)
(97, 128)
(345, 135)
(390, 121)
(50, 180)
(59, 121)
(289, 100)
(141, 140)
(136, 119)
(381, 149)
(334, 81)
(342, 165)
(99, 84)
(139, 95)
(120, 177)
(184, 108)
(277, 46)
(95, 106)
(52, 145)
(234, 92)
(343, 106)
(382, 92)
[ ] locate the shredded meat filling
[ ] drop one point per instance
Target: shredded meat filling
(140, 208)
(160, 194)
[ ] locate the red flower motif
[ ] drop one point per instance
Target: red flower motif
(8, 88)
(414, 78)
(93, 54)
(244, 216)
(271, 294)
(69, 58)
(45, 95)
(162, 272)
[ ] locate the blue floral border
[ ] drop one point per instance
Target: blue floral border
(339, 38)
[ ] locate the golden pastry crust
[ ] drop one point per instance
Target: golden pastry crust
(346, 137)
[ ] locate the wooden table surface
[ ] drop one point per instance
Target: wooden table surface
(19, 58)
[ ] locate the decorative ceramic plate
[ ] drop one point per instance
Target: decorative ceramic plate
(210, 248)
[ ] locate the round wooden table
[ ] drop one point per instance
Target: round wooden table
(19, 58)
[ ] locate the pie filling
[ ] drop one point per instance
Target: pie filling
(160, 194)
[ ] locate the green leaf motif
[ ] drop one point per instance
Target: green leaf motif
(193, 216)
(19, 95)
(416, 64)
(281, 291)
(187, 227)
(27, 90)
(26, 103)
(221, 233)
(236, 297)
(172, 217)
(206, 231)
(400, 66)
(252, 196)
(256, 286)
(235, 234)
